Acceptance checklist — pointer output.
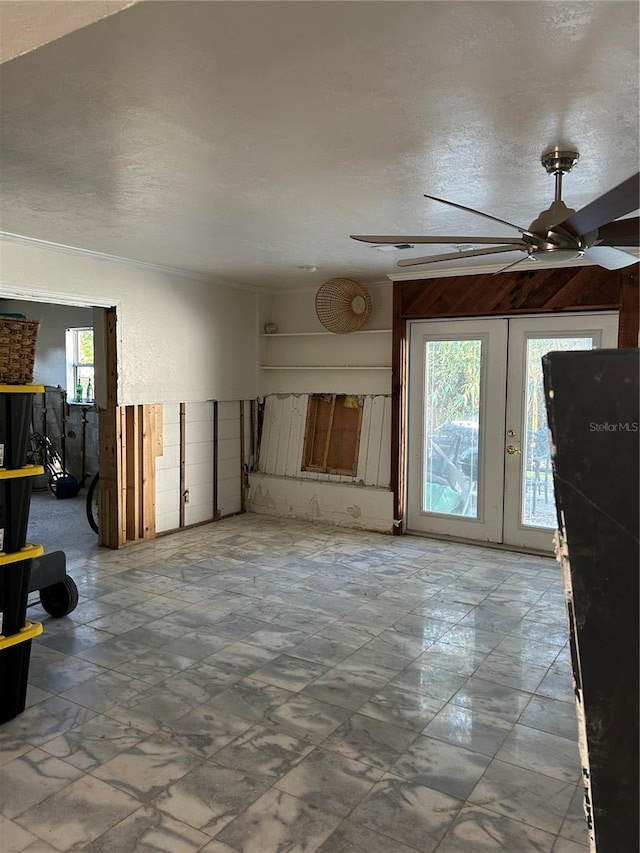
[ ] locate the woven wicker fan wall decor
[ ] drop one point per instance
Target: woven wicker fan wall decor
(343, 305)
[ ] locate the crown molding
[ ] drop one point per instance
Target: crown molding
(34, 242)
(313, 288)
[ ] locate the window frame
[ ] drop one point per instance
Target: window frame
(73, 364)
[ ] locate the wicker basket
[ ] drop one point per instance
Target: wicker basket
(18, 340)
(342, 305)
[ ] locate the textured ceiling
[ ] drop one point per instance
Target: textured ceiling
(243, 140)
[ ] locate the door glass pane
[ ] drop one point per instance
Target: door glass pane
(451, 418)
(538, 507)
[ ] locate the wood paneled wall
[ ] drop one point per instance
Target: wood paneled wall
(510, 293)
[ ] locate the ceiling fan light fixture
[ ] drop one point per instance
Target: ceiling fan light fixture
(555, 255)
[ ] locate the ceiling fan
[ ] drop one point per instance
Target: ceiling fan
(557, 234)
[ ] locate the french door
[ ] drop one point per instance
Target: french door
(478, 449)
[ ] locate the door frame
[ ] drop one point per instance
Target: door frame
(447, 294)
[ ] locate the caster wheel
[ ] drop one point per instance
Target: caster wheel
(60, 598)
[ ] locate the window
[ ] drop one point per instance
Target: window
(332, 434)
(80, 376)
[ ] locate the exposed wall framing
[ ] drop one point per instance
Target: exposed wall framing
(507, 294)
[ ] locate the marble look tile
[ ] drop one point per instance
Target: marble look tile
(196, 645)
(425, 628)
(322, 650)
(79, 813)
(557, 683)
(494, 699)
(236, 626)
(394, 704)
(472, 638)
(574, 826)
(14, 838)
(154, 666)
(409, 813)
(546, 753)
(474, 730)
(58, 675)
(241, 658)
(563, 845)
(370, 741)
(206, 729)
(147, 768)
(119, 621)
(77, 638)
(332, 782)
(149, 829)
(289, 672)
(35, 695)
(523, 795)
(442, 766)
(351, 837)
(263, 751)
(211, 796)
(153, 709)
(308, 718)
(113, 651)
(475, 830)
(279, 822)
(421, 677)
(345, 689)
(276, 637)
(511, 672)
(216, 846)
(42, 722)
(551, 715)
(350, 635)
(92, 743)
(200, 682)
(250, 699)
(441, 608)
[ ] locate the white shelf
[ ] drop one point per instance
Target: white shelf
(326, 367)
(333, 335)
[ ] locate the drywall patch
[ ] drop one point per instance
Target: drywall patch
(354, 511)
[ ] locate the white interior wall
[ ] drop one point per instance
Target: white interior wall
(179, 339)
(303, 358)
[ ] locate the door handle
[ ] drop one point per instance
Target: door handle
(511, 449)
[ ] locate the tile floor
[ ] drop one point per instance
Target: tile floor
(265, 686)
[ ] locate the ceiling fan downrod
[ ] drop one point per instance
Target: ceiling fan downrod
(559, 163)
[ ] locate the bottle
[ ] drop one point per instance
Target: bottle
(79, 392)
(89, 395)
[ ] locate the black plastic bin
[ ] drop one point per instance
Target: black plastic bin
(15, 417)
(15, 500)
(15, 656)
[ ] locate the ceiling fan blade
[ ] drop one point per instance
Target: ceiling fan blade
(480, 213)
(610, 258)
(509, 266)
(612, 205)
(438, 239)
(624, 232)
(454, 256)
